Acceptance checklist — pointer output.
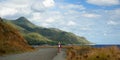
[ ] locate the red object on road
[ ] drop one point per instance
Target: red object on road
(59, 47)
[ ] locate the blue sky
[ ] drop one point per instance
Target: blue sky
(97, 20)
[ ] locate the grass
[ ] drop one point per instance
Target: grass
(90, 53)
(11, 40)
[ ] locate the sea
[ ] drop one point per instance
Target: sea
(100, 46)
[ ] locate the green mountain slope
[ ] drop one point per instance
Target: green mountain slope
(11, 40)
(32, 37)
(62, 36)
(52, 34)
(36, 39)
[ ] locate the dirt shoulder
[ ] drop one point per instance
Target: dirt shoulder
(60, 56)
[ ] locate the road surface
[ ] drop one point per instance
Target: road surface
(41, 54)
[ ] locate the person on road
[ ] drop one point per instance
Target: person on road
(59, 47)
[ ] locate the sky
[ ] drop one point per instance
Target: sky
(96, 20)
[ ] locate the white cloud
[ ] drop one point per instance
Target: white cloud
(24, 7)
(71, 23)
(36, 16)
(90, 15)
(104, 2)
(14, 8)
(48, 17)
(50, 20)
(85, 28)
(71, 12)
(37, 6)
(7, 11)
(112, 22)
(48, 3)
(16, 3)
(42, 5)
(19, 1)
(72, 6)
(45, 24)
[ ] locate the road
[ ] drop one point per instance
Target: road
(40, 54)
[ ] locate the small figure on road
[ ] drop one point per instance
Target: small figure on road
(59, 47)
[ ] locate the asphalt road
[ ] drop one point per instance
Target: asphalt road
(40, 54)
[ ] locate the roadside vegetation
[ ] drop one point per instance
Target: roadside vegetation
(90, 53)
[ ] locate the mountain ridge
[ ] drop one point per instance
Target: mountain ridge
(53, 34)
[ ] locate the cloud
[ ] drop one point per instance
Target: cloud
(14, 8)
(24, 7)
(38, 7)
(19, 1)
(85, 28)
(104, 2)
(48, 3)
(72, 6)
(42, 5)
(71, 23)
(112, 22)
(6, 11)
(90, 15)
(16, 3)
(45, 24)
(36, 16)
(50, 20)
(114, 13)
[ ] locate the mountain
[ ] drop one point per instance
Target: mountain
(10, 40)
(37, 39)
(24, 22)
(62, 36)
(51, 34)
